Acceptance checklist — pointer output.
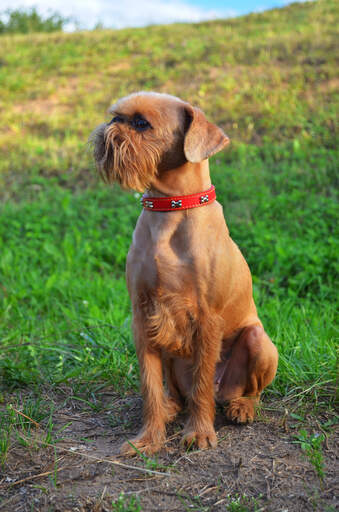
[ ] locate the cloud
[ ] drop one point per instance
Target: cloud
(128, 13)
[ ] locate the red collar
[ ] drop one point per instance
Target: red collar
(168, 204)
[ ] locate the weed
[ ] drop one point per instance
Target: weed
(311, 445)
(243, 504)
(22, 420)
(53, 476)
(149, 462)
(7, 420)
(124, 504)
(193, 503)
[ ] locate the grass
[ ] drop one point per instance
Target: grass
(123, 504)
(243, 504)
(311, 445)
(66, 312)
(270, 80)
(26, 421)
(61, 284)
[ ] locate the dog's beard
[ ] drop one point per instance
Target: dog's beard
(127, 158)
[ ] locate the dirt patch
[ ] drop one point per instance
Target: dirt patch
(57, 102)
(42, 106)
(256, 467)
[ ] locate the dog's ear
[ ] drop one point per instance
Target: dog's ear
(202, 138)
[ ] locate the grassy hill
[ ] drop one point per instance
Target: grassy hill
(267, 78)
(270, 80)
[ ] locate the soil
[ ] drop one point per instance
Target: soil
(256, 467)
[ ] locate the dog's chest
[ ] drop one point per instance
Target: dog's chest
(173, 275)
(175, 254)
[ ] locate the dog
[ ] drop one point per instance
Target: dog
(195, 323)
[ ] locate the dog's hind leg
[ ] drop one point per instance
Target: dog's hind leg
(250, 366)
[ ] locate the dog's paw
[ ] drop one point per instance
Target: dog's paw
(241, 410)
(142, 444)
(200, 439)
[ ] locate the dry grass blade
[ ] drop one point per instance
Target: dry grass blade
(32, 477)
(97, 459)
(25, 416)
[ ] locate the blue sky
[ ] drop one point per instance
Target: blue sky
(135, 13)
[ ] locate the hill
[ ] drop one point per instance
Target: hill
(267, 78)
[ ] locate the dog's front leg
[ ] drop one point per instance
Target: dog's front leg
(199, 430)
(152, 435)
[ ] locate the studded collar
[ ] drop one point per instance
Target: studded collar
(169, 204)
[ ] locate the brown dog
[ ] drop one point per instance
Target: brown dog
(194, 318)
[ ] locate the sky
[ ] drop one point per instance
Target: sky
(136, 13)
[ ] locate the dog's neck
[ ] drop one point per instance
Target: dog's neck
(184, 180)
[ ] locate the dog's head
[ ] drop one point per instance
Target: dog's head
(152, 133)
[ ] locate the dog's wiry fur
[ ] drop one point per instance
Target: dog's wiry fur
(195, 323)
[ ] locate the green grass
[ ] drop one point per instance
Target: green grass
(312, 445)
(63, 292)
(123, 504)
(243, 504)
(270, 80)
(21, 421)
(66, 311)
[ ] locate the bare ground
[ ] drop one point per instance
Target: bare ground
(256, 467)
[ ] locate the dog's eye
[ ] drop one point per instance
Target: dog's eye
(139, 123)
(117, 119)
